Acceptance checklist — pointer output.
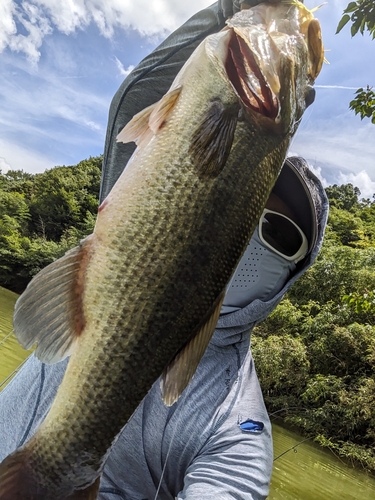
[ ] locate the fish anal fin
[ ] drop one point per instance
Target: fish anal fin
(50, 310)
(212, 140)
(180, 371)
(147, 122)
(18, 481)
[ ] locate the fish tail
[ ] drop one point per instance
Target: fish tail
(19, 482)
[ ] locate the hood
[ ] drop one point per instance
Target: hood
(235, 327)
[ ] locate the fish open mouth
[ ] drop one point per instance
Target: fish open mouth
(247, 78)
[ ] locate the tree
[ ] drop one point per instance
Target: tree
(362, 15)
(344, 197)
(364, 103)
(44, 215)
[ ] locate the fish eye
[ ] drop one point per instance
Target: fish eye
(310, 96)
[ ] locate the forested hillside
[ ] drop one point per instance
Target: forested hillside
(315, 355)
(42, 216)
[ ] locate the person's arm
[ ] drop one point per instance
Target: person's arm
(25, 401)
(236, 462)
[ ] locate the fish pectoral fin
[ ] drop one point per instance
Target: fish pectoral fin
(50, 310)
(147, 122)
(212, 140)
(180, 371)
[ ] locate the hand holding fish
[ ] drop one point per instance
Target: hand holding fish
(230, 7)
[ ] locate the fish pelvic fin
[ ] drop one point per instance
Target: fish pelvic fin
(50, 310)
(147, 122)
(180, 371)
(212, 140)
(19, 482)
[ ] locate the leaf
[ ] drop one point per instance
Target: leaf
(363, 25)
(344, 20)
(355, 27)
(352, 6)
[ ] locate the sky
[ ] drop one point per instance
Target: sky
(62, 62)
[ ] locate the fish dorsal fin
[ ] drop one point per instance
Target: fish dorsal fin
(137, 129)
(182, 368)
(50, 310)
(212, 140)
(147, 122)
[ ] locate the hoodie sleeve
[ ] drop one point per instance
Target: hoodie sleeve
(25, 402)
(236, 461)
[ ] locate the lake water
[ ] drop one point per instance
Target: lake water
(313, 473)
(306, 473)
(11, 353)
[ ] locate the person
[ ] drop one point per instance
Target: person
(215, 442)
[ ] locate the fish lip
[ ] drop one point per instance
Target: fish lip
(247, 79)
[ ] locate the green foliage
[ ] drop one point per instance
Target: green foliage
(284, 366)
(42, 216)
(363, 304)
(364, 103)
(348, 227)
(315, 354)
(362, 16)
(344, 197)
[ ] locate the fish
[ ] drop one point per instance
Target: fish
(138, 300)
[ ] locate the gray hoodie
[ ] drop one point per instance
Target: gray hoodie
(215, 442)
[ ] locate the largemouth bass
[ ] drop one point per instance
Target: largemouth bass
(141, 296)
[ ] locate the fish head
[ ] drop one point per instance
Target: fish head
(271, 54)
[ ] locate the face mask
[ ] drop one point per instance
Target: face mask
(261, 274)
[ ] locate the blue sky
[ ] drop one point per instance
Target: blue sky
(61, 63)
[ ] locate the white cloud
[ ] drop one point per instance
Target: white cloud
(7, 24)
(65, 100)
(16, 157)
(123, 72)
(319, 173)
(35, 23)
(40, 17)
(4, 165)
(361, 180)
(343, 142)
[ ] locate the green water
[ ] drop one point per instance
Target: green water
(313, 473)
(11, 353)
(308, 473)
